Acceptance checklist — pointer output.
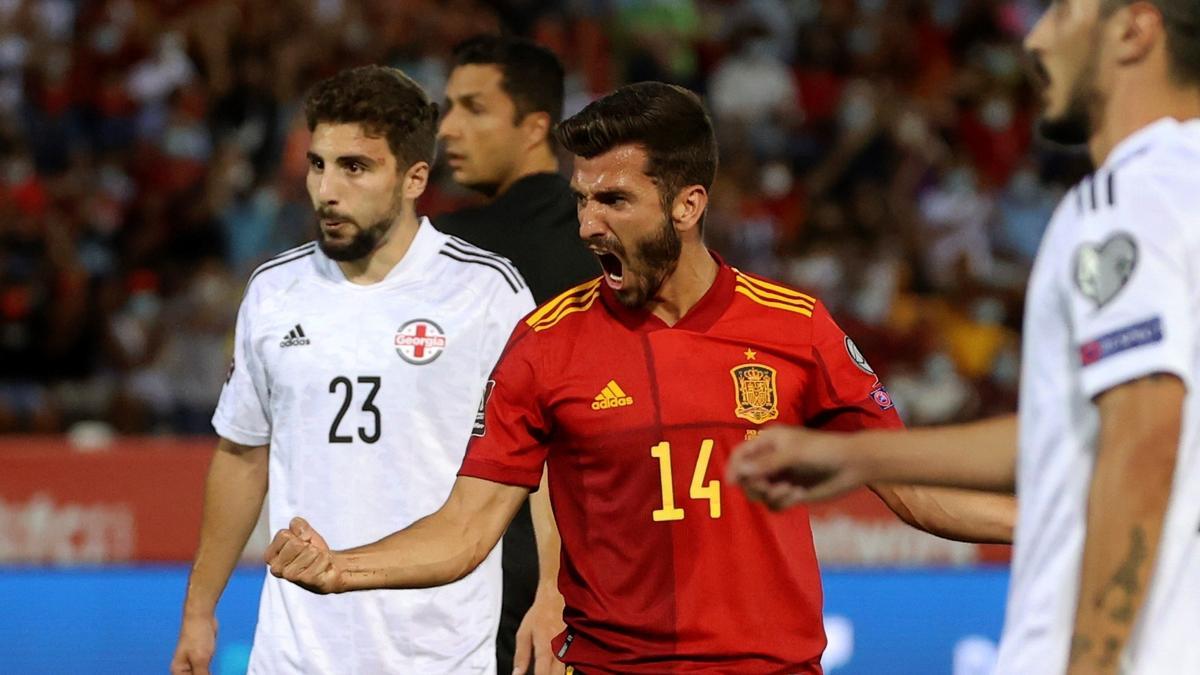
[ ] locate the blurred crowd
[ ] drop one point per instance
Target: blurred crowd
(877, 153)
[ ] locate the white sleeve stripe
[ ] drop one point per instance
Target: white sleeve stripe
(485, 263)
(301, 247)
(277, 263)
(460, 246)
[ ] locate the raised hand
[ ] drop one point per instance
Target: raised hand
(301, 556)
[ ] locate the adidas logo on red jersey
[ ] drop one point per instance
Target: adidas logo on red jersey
(611, 397)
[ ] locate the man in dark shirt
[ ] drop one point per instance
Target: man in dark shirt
(503, 98)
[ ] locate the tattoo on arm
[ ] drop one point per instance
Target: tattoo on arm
(1080, 646)
(1125, 580)
(1112, 649)
(1125, 583)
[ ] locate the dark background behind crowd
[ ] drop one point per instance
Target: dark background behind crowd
(876, 153)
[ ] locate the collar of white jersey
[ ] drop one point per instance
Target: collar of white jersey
(1141, 140)
(423, 248)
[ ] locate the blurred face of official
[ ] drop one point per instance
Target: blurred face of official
(355, 186)
(481, 139)
(1070, 67)
(623, 221)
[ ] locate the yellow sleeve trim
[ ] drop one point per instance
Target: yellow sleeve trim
(787, 307)
(761, 285)
(767, 295)
(581, 304)
(550, 307)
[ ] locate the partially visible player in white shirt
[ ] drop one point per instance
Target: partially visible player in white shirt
(1106, 570)
(359, 364)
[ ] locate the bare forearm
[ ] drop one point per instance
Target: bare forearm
(433, 551)
(549, 543)
(233, 498)
(977, 456)
(1118, 557)
(437, 549)
(961, 515)
(1127, 504)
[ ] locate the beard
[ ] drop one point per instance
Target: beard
(1077, 122)
(1073, 127)
(364, 241)
(651, 262)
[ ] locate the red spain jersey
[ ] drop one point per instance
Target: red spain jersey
(665, 568)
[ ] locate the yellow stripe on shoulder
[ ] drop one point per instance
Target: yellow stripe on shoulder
(787, 307)
(768, 295)
(768, 286)
(567, 305)
(550, 307)
(581, 304)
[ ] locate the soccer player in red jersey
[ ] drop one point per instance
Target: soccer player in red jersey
(634, 388)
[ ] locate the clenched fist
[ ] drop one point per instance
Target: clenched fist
(301, 556)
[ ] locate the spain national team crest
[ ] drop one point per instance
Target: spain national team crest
(757, 399)
(420, 341)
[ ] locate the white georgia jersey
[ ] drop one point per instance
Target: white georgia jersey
(1114, 296)
(367, 396)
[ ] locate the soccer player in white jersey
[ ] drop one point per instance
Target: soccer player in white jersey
(1106, 570)
(359, 363)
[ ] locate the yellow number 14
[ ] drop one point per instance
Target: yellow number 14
(699, 490)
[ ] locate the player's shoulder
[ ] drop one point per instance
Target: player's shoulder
(470, 264)
(284, 269)
(564, 310)
(1159, 169)
(772, 298)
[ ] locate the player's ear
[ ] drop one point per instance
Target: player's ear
(688, 207)
(536, 126)
(414, 180)
(1137, 30)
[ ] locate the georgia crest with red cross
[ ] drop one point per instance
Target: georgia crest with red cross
(420, 341)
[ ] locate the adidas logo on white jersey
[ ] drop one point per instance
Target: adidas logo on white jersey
(294, 338)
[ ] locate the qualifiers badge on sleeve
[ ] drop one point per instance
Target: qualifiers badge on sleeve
(857, 357)
(420, 341)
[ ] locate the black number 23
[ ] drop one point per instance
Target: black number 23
(367, 406)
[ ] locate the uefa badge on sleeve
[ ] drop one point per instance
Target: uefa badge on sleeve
(420, 341)
(882, 398)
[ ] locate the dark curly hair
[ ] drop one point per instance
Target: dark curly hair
(386, 102)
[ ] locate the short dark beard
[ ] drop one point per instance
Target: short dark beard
(1077, 123)
(364, 242)
(1073, 127)
(653, 259)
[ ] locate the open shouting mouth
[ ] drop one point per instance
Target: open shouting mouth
(613, 266)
